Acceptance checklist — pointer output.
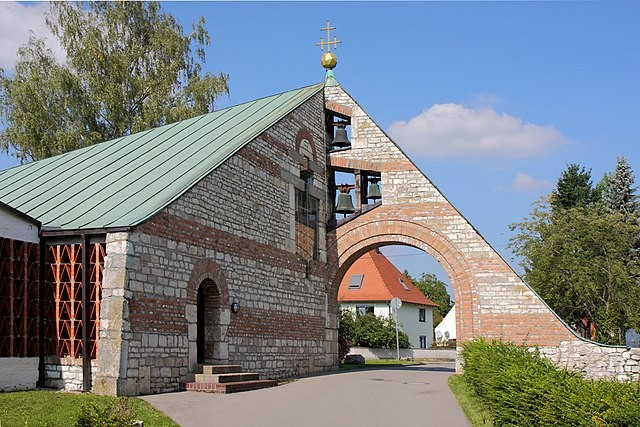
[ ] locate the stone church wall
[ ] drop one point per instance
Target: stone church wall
(237, 228)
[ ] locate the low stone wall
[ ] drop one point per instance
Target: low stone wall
(412, 353)
(65, 373)
(18, 373)
(596, 361)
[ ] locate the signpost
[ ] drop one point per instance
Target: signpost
(396, 303)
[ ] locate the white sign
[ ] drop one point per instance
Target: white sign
(396, 303)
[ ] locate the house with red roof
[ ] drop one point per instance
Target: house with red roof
(373, 281)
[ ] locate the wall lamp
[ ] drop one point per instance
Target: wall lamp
(235, 307)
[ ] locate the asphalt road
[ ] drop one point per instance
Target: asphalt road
(401, 396)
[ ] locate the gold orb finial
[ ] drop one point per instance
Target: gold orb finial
(329, 60)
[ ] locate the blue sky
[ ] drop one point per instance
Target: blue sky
(491, 99)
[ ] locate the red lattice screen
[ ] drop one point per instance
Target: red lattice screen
(63, 317)
(19, 278)
(97, 274)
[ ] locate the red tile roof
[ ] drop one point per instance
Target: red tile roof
(380, 282)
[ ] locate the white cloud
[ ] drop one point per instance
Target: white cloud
(523, 182)
(16, 19)
(454, 130)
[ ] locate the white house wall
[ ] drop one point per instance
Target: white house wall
(18, 373)
(14, 227)
(408, 317)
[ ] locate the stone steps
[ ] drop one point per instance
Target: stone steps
(225, 379)
(230, 387)
(218, 369)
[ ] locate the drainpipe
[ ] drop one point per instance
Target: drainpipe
(86, 310)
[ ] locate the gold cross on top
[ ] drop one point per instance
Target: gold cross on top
(329, 42)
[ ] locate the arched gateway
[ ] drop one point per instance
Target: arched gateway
(491, 299)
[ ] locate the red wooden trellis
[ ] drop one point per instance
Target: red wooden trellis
(63, 317)
(19, 280)
(97, 274)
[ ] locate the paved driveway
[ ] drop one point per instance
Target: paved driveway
(402, 396)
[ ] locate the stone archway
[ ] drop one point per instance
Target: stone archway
(491, 300)
(208, 315)
(350, 242)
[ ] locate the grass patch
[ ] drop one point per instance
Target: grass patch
(475, 410)
(372, 363)
(51, 408)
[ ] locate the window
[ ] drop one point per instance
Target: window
(306, 222)
(423, 341)
(356, 281)
(422, 315)
(362, 310)
(404, 285)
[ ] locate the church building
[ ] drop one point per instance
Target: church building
(126, 265)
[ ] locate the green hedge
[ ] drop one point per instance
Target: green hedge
(523, 389)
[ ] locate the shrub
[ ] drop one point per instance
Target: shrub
(521, 388)
(119, 413)
(345, 333)
(369, 331)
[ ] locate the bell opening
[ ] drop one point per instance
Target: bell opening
(341, 137)
(344, 202)
(373, 190)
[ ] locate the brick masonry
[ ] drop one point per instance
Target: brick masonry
(234, 234)
(491, 299)
(235, 230)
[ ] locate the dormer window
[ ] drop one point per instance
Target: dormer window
(356, 281)
(404, 285)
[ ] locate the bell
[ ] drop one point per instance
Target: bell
(373, 192)
(344, 204)
(340, 139)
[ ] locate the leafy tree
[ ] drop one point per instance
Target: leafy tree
(129, 67)
(619, 192)
(370, 331)
(580, 261)
(434, 289)
(574, 189)
(345, 333)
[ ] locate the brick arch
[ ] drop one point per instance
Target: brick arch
(304, 135)
(207, 271)
(348, 246)
(207, 274)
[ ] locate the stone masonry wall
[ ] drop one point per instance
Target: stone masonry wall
(236, 227)
(65, 373)
(491, 300)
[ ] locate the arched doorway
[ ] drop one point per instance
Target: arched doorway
(207, 315)
(210, 334)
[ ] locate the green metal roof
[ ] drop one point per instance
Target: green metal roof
(122, 182)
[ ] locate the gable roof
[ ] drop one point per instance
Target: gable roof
(380, 282)
(122, 182)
